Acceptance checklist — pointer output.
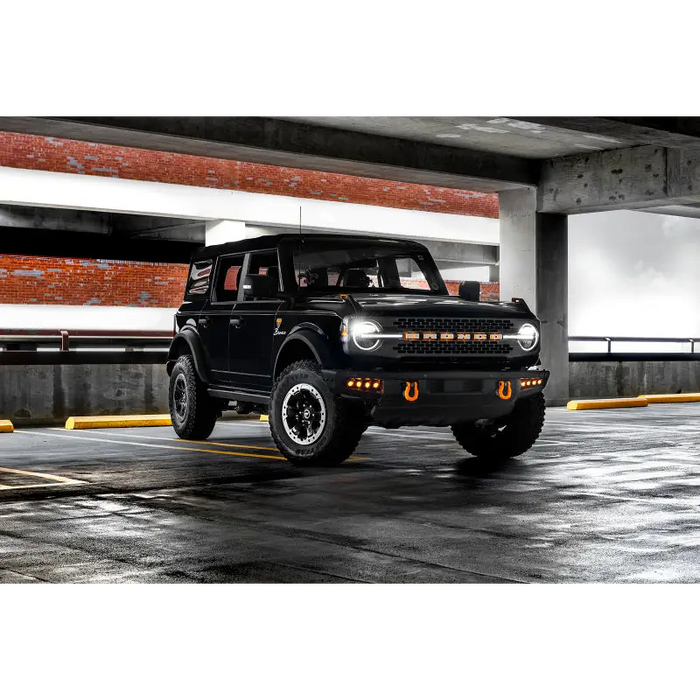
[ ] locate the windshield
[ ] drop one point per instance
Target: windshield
(350, 266)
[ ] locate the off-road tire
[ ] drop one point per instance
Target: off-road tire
(520, 430)
(343, 427)
(200, 412)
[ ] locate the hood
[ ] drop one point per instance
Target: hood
(435, 306)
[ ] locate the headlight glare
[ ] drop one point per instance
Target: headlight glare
(364, 335)
(528, 336)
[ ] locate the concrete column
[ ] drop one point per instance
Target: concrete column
(534, 266)
(224, 231)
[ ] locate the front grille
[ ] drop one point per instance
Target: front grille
(473, 347)
(453, 347)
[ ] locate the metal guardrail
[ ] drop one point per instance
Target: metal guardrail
(62, 346)
(609, 340)
(66, 340)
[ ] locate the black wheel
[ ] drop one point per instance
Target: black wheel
(192, 410)
(506, 437)
(309, 424)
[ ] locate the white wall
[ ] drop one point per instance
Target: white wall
(72, 191)
(108, 318)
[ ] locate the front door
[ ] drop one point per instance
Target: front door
(214, 323)
(252, 326)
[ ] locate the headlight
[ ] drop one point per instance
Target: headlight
(365, 335)
(528, 336)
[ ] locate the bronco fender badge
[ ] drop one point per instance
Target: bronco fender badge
(277, 331)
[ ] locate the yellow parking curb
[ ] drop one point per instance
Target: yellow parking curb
(264, 418)
(6, 426)
(640, 401)
(93, 422)
(670, 398)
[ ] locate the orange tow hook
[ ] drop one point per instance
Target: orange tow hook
(505, 390)
(408, 394)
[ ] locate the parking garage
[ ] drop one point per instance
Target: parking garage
(99, 218)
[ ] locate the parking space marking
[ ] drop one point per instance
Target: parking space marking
(60, 434)
(58, 480)
(196, 442)
(207, 442)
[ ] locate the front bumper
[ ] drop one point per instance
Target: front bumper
(439, 398)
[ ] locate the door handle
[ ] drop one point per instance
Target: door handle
(236, 322)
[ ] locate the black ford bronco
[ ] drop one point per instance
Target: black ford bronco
(329, 334)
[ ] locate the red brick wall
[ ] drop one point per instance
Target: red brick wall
(75, 281)
(79, 282)
(34, 280)
(66, 156)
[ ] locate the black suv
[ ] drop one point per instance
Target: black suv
(329, 334)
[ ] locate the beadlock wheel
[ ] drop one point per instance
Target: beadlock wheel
(180, 397)
(303, 414)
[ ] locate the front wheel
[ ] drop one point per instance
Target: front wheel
(505, 437)
(309, 424)
(192, 411)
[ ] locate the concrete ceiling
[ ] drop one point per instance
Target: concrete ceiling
(577, 164)
(504, 135)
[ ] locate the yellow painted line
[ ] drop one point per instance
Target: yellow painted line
(206, 442)
(6, 426)
(57, 480)
(162, 447)
(670, 398)
(195, 442)
(264, 418)
(639, 401)
(93, 422)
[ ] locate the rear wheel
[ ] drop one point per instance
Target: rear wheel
(192, 411)
(505, 437)
(309, 424)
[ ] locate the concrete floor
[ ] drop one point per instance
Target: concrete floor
(604, 496)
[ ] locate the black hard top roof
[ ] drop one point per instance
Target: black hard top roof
(273, 240)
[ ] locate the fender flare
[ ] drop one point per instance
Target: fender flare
(194, 343)
(314, 339)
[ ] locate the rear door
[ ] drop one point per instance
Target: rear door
(252, 328)
(214, 322)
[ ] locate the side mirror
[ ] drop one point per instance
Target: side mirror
(259, 287)
(469, 291)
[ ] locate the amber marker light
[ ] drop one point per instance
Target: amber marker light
(480, 336)
(495, 336)
(430, 336)
(411, 335)
(351, 383)
(464, 336)
(447, 336)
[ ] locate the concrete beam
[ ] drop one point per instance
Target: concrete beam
(54, 219)
(292, 144)
(670, 132)
(52, 244)
(460, 253)
(629, 178)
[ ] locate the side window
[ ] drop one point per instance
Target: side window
(411, 275)
(228, 278)
(200, 276)
(264, 262)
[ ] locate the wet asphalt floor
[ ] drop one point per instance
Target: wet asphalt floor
(604, 496)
